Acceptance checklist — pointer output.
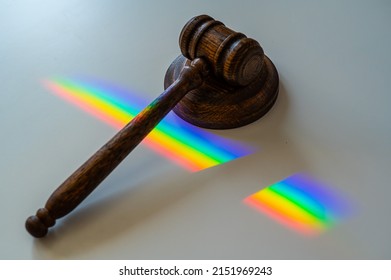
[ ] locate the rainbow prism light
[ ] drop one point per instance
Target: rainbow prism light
(190, 147)
(301, 203)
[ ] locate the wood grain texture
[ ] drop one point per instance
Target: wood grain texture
(88, 176)
(244, 84)
(232, 55)
(218, 105)
(226, 82)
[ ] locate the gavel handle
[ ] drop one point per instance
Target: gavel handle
(85, 179)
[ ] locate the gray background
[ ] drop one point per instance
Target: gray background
(331, 120)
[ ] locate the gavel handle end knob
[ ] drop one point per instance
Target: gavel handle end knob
(38, 224)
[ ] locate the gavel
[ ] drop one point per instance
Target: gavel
(222, 80)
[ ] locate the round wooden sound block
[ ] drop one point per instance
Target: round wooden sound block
(219, 105)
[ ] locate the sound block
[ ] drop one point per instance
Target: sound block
(218, 105)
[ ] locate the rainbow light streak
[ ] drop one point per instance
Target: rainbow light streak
(188, 146)
(300, 203)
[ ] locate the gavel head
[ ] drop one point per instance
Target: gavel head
(232, 55)
(244, 83)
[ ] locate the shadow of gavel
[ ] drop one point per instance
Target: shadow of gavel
(222, 80)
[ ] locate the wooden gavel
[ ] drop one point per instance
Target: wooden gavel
(222, 80)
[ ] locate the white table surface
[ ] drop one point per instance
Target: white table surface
(331, 120)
